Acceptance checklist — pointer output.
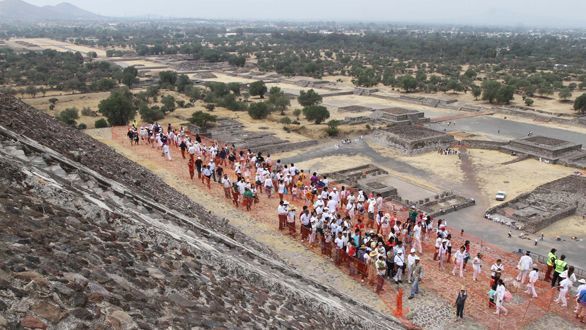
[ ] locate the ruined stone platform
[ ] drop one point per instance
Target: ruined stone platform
(543, 206)
(411, 138)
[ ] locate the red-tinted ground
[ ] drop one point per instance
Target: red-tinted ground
(522, 310)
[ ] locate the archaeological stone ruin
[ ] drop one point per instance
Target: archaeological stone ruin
(412, 139)
(543, 206)
(231, 131)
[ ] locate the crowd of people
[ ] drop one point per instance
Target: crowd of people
(354, 226)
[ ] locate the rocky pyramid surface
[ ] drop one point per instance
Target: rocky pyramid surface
(86, 242)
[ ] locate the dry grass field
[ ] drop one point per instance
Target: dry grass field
(60, 46)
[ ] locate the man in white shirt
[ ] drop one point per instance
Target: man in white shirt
(410, 262)
(399, 263)
(524, 266)
(564, 288)
(533, 277)
(417, 237)
(282, 214)
(332, 204)
(339, 241)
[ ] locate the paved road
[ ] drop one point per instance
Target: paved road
(509, 129)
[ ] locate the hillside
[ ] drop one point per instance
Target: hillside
(87, 242)
(17, 10)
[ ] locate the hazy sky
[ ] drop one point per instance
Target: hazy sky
(494, 12)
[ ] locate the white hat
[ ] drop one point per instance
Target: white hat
(413, 250)
(335, 188)
(399, 252)
(583, 281)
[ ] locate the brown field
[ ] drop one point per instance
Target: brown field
(79, 101)
(60, 46)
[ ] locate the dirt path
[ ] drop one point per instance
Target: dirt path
(431, 309)
(264, 231)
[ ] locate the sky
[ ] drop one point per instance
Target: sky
(555, 13)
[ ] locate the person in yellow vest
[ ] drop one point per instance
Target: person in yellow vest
(559, 266)
(551, 258)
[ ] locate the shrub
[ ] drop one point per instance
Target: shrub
(68, 116)
(529, 102)
(259, 110)
(82, 126)
(285, 121)
(86, 111)
(150, 115)
(101, 123)
(316, 113)
(202, 119)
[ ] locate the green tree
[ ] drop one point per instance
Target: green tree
(69, 116)
(31, 90)
(258, 88)
(285, 121)
(210, 106)
(505, 94)
(167, 79)
(365, 77)
(278, 100)
(476, 92)
(129, 75)
(565, 94)
(259, 110)
(332, 129)
(490, 89)
(529, 101)
(52, 103)
(202, 119)
(580, 103)
(168, 103)
(237, 60)
(408, 83)
(297, 113)
(150, 115)
(234, 87)
(119, 107)
(183, 82)
(101, 123)
(309, 98)
(454, 85)
(316, 113)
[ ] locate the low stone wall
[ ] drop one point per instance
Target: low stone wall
(535, 227)
(287, 147)
(483, 144)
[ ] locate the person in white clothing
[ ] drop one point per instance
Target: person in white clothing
(400, 264)
(476, 266)
(500, 297)
(459, 261)
(442, 254)
(524, 266)
(581, 287)
(410, 262)
(166, 151)
(533, 277)
(417, 237)
(564, 288)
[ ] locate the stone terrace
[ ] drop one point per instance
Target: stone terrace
(544, 206)
(410, 138)
(546, 148)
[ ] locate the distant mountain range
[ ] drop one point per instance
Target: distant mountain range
(18, 10)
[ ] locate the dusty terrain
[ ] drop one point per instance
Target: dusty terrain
(45, 43)
(140, 262)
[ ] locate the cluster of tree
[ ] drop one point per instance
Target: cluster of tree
(312, 110)
(56, 70)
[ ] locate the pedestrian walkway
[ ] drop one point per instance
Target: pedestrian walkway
(523, 311)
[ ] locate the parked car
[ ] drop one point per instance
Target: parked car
(501, 196)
